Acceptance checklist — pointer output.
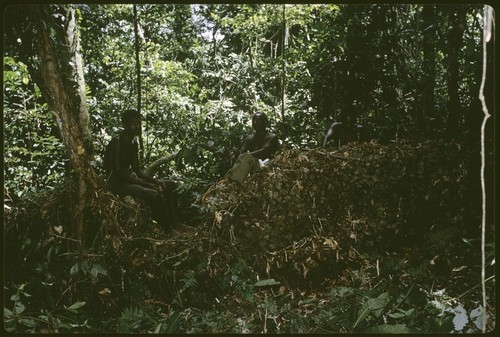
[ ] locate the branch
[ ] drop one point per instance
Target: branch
(207, 147)
(487, 34)
(151, 168)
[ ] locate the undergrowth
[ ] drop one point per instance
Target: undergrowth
(132, 278)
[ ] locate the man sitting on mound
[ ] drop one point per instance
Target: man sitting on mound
(256, 151)
(126, 178)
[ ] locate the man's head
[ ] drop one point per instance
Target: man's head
(131, 120)
(259, 121)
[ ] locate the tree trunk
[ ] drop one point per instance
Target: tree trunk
(61, 74)
(429, 69)
(284, 43)
(138, 74)
(455, 41)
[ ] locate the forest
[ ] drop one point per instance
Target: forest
(389, 229)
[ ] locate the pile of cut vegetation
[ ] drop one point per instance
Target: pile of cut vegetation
(304, 219)
(316, 208)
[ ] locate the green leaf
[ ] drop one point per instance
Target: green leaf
(7, 313)
(19, 308)
(76, 306)
(65, 326)
(74, 269)
(267, 282)
(397, 315)
(401, 313)
(362, 315)
(98, 269)
(387, 328)
(28, 322)
(373, 306)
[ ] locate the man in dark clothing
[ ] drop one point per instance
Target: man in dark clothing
(262, 144)
(256, 151)
(126, 177)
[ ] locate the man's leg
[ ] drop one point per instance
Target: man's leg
(170, 197)
(155, 200)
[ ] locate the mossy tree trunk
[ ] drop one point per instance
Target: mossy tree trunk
(58, 70)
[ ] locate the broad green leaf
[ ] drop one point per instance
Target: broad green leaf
(19, 308)
(373, 306)
(397, 315)
(76, 306)
(386, 328)
(28, 322)
(401, 313)
(74, 269)
(7, 313)
(98, 269)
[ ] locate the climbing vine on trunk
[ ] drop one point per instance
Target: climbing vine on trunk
(57, 66)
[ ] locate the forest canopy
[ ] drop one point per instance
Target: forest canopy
(411, 76)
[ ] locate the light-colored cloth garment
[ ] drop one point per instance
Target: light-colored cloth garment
(245, 164)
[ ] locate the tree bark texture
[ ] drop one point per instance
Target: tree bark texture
(61, 71)
(138, 74)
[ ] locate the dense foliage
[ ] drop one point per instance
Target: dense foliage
(206, 68)
(410, 74)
